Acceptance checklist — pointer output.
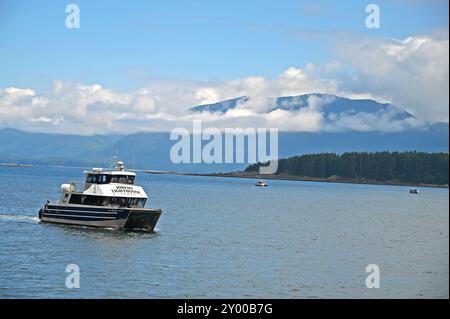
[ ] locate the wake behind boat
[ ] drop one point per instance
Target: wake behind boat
(109, 199)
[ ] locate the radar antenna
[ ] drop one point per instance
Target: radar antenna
(114, 159)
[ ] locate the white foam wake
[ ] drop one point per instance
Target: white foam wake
(19, 217)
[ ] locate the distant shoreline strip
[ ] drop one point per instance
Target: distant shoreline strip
(300, 178)
(15, 165)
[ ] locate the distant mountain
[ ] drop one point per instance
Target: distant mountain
(25, 144)
(221, 107)
(330, 104)
(151, 150)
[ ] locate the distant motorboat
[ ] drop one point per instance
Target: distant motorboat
(414, 191)
(261, 183)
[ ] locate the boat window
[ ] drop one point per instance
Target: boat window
(91, 178)
(107, 201)
(93, 200)
(119, 201)
(136, 202)
(122, 179)
(102, 179)
(66, 197)
(114, 202)
(98, 179)
(75, 199)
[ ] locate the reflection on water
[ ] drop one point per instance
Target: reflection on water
(223, 237)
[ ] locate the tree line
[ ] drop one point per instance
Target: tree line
(410, 167)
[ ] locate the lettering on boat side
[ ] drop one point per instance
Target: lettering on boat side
(125, 190)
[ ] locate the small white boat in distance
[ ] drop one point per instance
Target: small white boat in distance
(261, 183)
(414, 191)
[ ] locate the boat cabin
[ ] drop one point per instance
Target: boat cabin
(113, 188)
(118, 176)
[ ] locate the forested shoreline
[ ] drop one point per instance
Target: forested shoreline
(405, 167)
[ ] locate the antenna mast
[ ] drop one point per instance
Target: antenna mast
(114, 159)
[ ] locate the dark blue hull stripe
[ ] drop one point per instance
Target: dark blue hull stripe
(80, 218)
(83, 214)
(80, 213)
(87, 208)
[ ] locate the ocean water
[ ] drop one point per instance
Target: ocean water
(224, 237)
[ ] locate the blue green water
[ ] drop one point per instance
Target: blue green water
(224, 237)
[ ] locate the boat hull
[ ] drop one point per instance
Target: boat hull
(100, 216)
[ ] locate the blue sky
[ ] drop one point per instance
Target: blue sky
(140, 65)
(123, 44)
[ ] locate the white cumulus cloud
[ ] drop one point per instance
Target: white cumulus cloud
(411, 73)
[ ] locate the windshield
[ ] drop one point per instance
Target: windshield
(122, 179)
(106, 179)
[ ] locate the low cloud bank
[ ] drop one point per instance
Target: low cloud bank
(412, 73)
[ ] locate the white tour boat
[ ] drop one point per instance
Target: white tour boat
(109, 199)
